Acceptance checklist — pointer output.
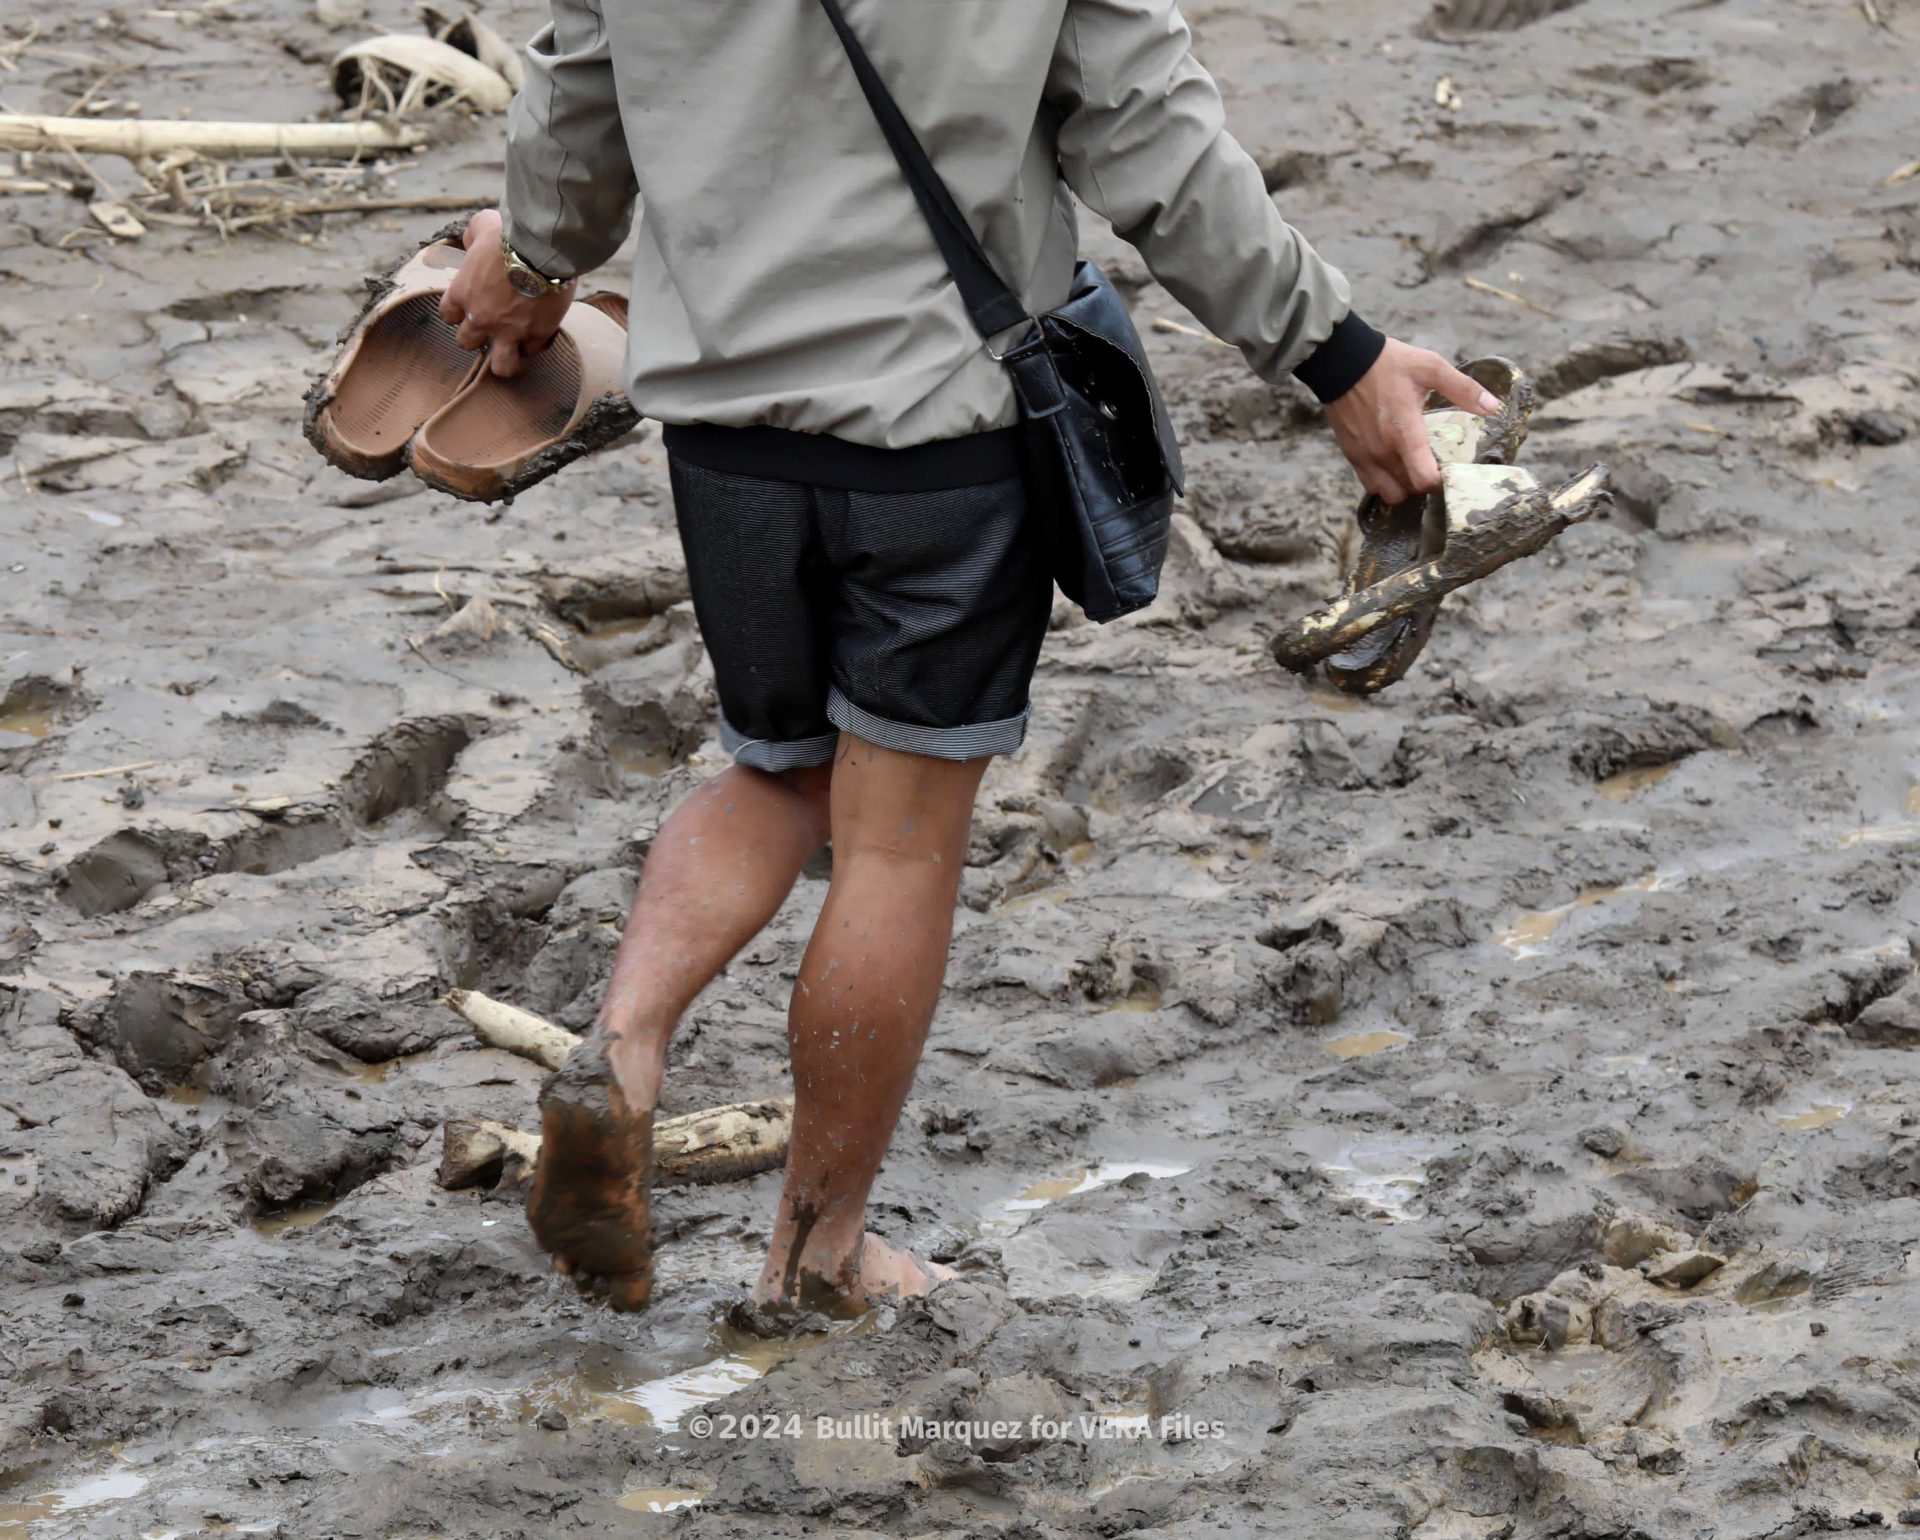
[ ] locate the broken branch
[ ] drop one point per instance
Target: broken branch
(507, 1026)
(135, 137)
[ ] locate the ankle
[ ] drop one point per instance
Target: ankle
(639, 1063)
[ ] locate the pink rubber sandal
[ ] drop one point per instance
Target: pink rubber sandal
(500, 436)
(397, 366)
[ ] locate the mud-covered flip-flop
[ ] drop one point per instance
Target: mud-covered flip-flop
(398, 364)
(1399, 537)
(499, 436)
(1488, 512)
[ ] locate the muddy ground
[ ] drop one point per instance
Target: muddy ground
(1293, 1045)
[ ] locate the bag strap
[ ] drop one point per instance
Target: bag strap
(993, 306)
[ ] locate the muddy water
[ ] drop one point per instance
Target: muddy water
(1530, 934)
(1719, 682)
(1364, 1045)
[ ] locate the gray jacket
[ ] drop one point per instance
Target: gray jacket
(784, 275)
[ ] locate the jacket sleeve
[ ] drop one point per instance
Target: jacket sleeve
(570, 183)
(1143, 142)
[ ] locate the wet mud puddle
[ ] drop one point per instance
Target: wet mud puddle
(26, 722)
(1629, 784)
(17, 1516)
(298, 1217)
(660, 1499)
(1819, 1115)
(1364, 1045)
(1530, 933)
(1900, 832)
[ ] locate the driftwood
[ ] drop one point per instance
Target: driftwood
(473, 1153)
(721, 1144)
(1479, 540)
(137, 137)
(507, 1026)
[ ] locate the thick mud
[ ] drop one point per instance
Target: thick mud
(1481, 1111)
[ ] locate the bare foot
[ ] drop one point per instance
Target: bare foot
(881, 1273)
(590, 1201)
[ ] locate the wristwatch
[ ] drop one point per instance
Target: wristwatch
(528, 279)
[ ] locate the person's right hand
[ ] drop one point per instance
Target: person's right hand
(490, 312)
(1378, 422)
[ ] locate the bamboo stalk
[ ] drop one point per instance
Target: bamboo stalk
(133, 137)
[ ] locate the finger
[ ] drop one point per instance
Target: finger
(472, 335)
(1466, 393)
(451, 310)
(1384, 487)
(504, 359)
(1418, 468)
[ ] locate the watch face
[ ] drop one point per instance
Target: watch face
(525, 283)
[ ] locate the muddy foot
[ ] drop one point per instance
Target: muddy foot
(881, 1274)
(589, 1204)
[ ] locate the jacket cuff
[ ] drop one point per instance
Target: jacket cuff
(1335, 367)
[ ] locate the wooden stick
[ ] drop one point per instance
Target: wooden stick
(509, 1027)
(720, 1144)
(133, 137)
(1518, 527)
(1181, 329)
(1480, 286)
(88, 775)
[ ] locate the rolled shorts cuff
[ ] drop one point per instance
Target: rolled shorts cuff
(973, 741)
(776, 754)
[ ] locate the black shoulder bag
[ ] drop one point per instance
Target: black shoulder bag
(1103, 462)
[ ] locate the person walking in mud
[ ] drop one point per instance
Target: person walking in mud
(859, 530)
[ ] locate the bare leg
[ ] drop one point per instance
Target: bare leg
(861, 1008)
(719, 869)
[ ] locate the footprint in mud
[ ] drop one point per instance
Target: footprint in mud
(1035, 1266)
(1385, 1175)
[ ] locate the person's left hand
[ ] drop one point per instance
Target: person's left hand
(1380, 426)
(490, 312)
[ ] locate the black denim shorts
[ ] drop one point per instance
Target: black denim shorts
(909, 615)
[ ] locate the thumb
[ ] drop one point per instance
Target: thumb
(1467, 394)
